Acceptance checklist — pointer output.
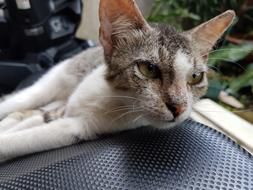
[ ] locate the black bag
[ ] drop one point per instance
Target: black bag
(35, 35)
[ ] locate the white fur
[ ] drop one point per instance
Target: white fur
(92, 108)
(47, 89)
(182, 65)
(90, 111)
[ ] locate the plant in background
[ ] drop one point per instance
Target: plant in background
(172, 12)
(188, 13)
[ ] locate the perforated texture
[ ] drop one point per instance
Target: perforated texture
(190, 156)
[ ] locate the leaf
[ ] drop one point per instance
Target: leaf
(230, 53)
(245, 80)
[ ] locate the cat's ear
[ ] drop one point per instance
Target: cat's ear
(206, 35)
(117, 17)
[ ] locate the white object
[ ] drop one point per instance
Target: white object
(23, 4)
(215, 116)
(89, 26)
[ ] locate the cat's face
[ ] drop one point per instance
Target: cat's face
(163, 70)
(159, 68)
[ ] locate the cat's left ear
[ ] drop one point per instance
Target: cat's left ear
(118, 17)
(206, 35)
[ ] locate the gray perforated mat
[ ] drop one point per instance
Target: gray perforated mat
(190, 156)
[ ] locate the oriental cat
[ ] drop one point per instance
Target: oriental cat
(142, 75)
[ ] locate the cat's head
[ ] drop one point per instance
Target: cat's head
(162, 69)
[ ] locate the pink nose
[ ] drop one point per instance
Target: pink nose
(176, 110)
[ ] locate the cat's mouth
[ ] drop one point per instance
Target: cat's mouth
(153, 118)
(165, 123)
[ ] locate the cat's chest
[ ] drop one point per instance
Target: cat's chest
(97, 102)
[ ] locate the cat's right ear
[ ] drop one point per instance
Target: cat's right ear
(206, 35)
(116, 18)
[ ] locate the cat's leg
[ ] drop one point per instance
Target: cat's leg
(54, 114)
(47, 113)
(57, 84)
(59, 133)
(39, 118)
(30, 122)
(10, 120)
(17, 117)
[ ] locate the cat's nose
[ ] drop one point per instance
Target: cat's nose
(176, 110)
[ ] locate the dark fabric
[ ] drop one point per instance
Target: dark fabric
(190, 156)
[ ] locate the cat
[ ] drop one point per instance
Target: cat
(142, 75)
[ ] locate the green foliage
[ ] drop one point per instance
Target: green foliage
(244, 80)
(187, 13)
(230, 53)
(172, 12)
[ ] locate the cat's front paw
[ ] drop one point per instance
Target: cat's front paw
(54, 114)
(10, 121)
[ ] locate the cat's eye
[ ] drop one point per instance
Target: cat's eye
(148, 69)
(195, 78)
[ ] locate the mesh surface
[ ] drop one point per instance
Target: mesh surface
(190, 156)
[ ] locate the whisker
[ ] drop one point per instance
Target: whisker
(124, 114)
(126, 107)
(151, 111)
(236, 111)
(216, 69)
(227, 60)
(137, 118)
(118, 110)
(127, 97)
(225, 49)
(94, 105)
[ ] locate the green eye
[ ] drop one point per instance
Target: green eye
(148, 69)
(195, 78)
